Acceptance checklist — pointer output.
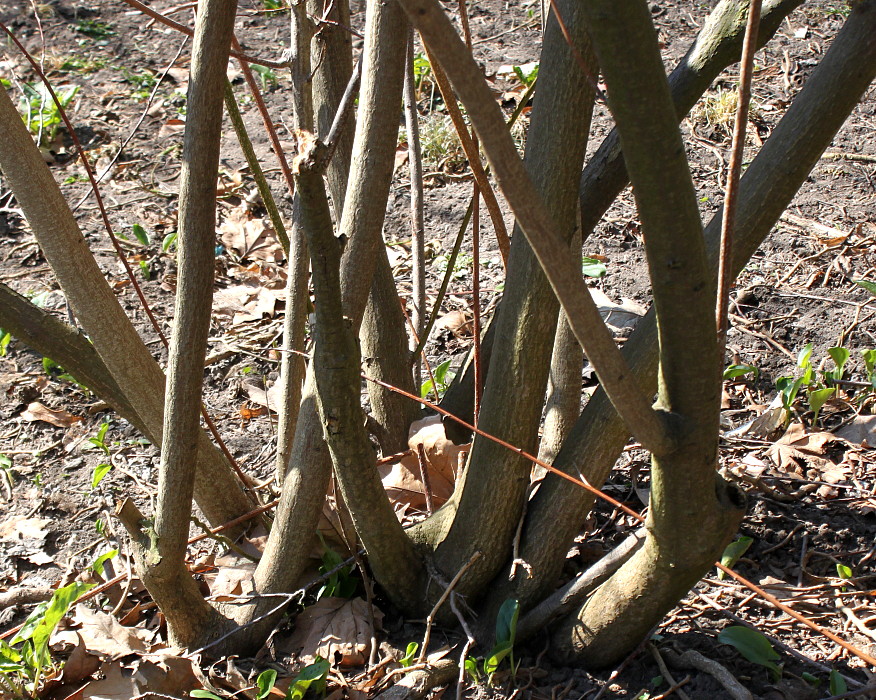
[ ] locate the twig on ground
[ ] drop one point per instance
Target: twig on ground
(694, 660)
(661, 664)
(447, 591)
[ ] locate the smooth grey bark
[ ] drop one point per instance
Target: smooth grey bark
(383, 343)
(598, 436)
(332, 57)
(766, 189)
(484, 510)
(307, 477)
(337, 367)
(717, 45)
(51, 337)
(218, 492)
(160, 544)
(692, 513)
(292, 365)
(563, 402)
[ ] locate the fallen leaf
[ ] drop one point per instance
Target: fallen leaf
(797, 449)
(336, 629)
(20, 528)
(171, 127)
(165, 673)
(457, 323)
(269, 399)
(103, 634)
(402, 480)
(117, 685)
(618, 317)
(60, 418)
(861, 431)
(80, 664)
(249, 237)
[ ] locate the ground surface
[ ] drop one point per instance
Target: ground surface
(813, 507)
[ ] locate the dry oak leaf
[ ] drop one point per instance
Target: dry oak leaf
(797, 450)
(336, 629)
(102, 634)
(402, 480)
(249, 237)
(60, 418)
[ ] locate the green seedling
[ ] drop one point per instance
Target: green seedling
(410, 654)
(94, 28)
(6, 466)
(169, 241)
(25, 660)
(98, 566)
(839, 356)
(844, 572)
(837, 683)
(265, 683)
(506, 632)
(817, 398)
(43, 115)
(144, 270)
(527, 73)
(340, 584)
(870, 366)
(422, 71)
(736, 371)
(5, 339)
(733, 553)
(266, 76)
(99, 440)
(100, 471)
(754, 646)
(140, 234)
(591, 267)
(312, 675)
(443, 377)
(461, 267)
(143, 83)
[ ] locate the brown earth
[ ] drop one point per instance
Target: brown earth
(798, 289)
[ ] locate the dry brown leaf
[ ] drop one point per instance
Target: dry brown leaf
(457, 323)
(20, 528)
(233, 581)
(165, 673)
(797, 449)
(80, 664)
(60, 418)
(249, 237)
(861, 431)
(171, 127)
(402, 480)
(247, 302)
(336, 629)
(118, 684)
(269, 399)
(103, 634)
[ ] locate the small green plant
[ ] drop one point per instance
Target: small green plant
(100, 471)
(410, 654)
(754, 646)
(591, 267)
(740, 370)
(265, 683)
(94, 28)
(142, 81)
(25, 661)
(526, 73)
(461, 267)
(5, 339)
(733, 553)
(168, 242)
(837, 683)
(78, 64)
(506, 633)
(422, 71)
(99, 440)
(311, 676)
(267, 77)
(340, 584)
(443, 377)
(42, 115)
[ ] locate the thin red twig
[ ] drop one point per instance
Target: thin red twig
(728, 221)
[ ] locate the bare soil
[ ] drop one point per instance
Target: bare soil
(799, 288)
